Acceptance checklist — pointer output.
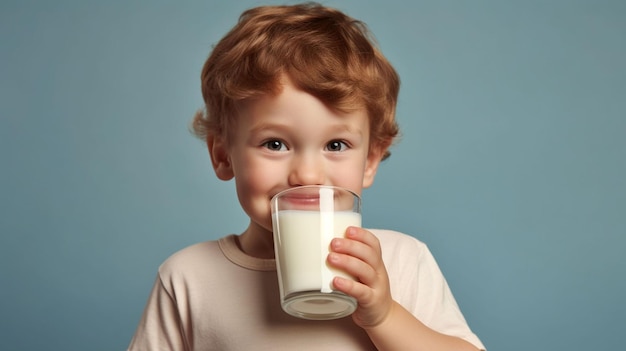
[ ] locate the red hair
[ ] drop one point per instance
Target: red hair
(321, 50)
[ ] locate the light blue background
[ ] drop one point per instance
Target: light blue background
(511, 167)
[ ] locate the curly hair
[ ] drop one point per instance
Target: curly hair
(323, 52)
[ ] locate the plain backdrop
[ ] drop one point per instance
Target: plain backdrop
(511, 165)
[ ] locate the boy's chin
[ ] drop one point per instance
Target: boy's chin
(261, 227)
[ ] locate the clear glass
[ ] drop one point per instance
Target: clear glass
(305, 219)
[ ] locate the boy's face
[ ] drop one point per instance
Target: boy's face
(289, 140)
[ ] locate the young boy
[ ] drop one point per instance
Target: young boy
(299, 95)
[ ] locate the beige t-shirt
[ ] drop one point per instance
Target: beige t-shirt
(212, 296)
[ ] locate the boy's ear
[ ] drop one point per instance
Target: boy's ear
(220, 158)
(371, 166)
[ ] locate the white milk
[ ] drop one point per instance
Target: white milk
(302, 240)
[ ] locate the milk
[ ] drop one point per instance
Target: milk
(302, 240)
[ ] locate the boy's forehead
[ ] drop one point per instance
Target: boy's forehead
(286, 87)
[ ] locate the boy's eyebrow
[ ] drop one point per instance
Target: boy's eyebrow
(350, 129)
(260, 127)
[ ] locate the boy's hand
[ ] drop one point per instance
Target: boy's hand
(359, 255)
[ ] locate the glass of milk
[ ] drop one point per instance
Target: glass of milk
(305, 219)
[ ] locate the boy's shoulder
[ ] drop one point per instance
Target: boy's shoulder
(392, 238)
(398, 247)
(216, 257)
(194, 251)
(190, 258)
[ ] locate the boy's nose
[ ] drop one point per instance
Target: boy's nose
(307, 170)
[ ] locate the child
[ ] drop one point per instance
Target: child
(298, 95)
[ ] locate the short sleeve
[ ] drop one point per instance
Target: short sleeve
(160, 327)
(418, 284)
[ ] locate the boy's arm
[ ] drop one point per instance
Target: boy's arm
(389, 325)
(402, 331)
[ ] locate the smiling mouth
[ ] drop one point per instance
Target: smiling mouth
(302, 200)
(307, 198)
(314, 198)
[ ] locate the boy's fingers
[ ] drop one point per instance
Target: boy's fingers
(354, 266)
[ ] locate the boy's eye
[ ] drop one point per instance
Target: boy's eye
(275, 145)
(336, 145)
